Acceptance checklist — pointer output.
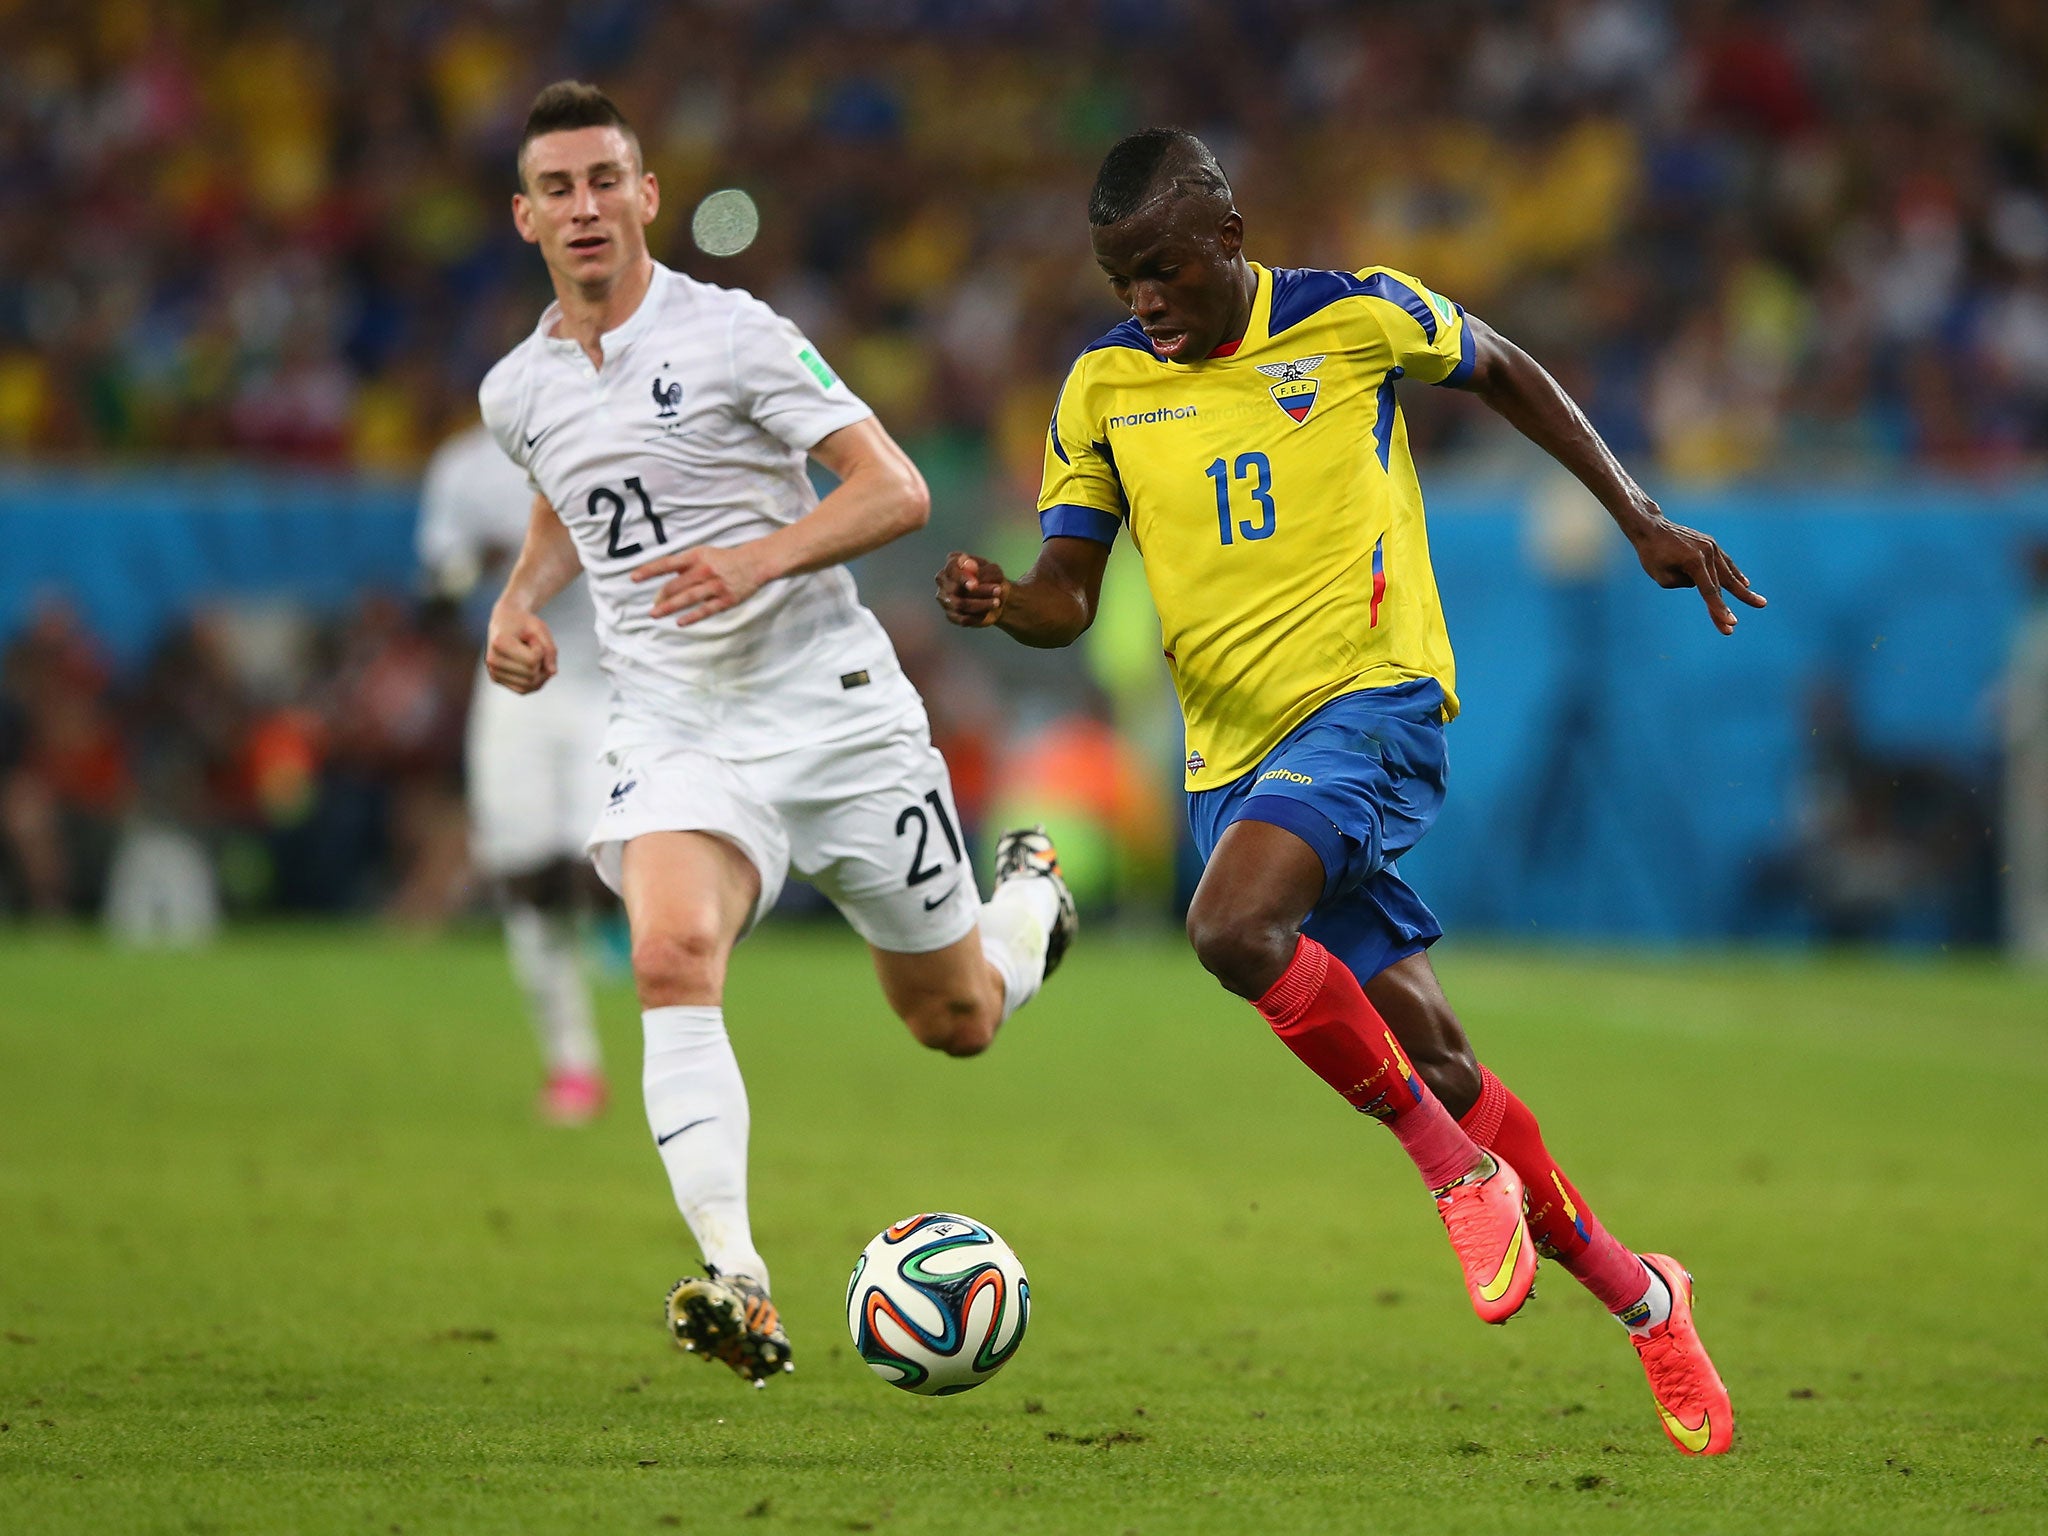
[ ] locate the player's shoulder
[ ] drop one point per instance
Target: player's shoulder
(508, 385)
(1303, 294)
(691, 302)
(1116, 355)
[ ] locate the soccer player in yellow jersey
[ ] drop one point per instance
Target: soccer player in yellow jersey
(1242, 425)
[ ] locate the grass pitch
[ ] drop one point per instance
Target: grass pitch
(282, 1249)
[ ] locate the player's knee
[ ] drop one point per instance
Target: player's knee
(679, 965)
(1246, 954)
(959, 1026)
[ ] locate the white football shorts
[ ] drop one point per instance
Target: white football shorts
(535, 774)
(869, 821)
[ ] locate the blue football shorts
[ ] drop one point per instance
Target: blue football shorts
(1359, 781)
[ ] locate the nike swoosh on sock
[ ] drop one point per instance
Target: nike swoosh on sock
(662, 1141)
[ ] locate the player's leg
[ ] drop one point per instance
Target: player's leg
(1261, 883)
(1644, 1294)
(689, 896)
(872, 824)
(523, 839)
(1411, 999)
(543, 935)
(955, 998)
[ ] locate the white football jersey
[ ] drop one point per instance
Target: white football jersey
(695, 432)
(474, 508)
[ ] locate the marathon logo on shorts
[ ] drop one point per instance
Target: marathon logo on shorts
(1288, 774)
(853, 679)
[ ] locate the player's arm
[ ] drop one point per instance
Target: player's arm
(1051, 605)
(880, 497)
(519, 652)
(1516, 386)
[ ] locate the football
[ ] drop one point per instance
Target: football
(937, 1304)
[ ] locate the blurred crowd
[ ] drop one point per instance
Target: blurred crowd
(262, 761)
(1807, 235)
(266, 760)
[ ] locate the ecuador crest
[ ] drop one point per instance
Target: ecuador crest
(1293, 390)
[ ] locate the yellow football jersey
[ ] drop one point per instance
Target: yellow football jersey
(1272, 499)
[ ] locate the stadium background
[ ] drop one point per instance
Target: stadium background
(1793, 259)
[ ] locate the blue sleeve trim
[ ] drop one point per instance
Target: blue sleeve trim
(1460, 375)
(1394, 291)
(1306, 823)
(1067, 520)
(1302, 292)
(1383, 417)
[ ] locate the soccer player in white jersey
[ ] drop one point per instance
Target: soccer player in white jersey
(534, 777)
(760, 720)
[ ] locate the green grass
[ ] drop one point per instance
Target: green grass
(282, 1249)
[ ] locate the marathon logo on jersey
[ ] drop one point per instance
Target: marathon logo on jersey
(1196, 762)
(1146, 418)
(622, 789)
(1293, 390)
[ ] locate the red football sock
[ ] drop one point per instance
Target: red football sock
(1320, 1011)
(1564, 1229)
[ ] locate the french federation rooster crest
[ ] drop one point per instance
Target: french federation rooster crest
(668, 399)
(1293, 390)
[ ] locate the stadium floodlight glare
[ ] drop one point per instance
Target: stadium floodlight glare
(725, 223)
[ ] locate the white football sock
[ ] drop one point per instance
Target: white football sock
(547, 959)
(697, 1110)
(1652, 1310)
(1015, 925)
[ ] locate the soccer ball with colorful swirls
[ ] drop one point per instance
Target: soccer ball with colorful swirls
(937, 1304)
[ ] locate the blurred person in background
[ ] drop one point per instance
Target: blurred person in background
(761, 721)
(66, 779)
(389, 818)
(533, 772)
(1243, 424)
(2026, 772)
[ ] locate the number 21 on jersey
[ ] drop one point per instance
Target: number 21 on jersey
(1254, 472)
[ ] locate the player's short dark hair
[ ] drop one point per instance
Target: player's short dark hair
(1141, 165)
(572, 104)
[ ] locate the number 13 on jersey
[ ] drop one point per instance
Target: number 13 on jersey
(1254, 471)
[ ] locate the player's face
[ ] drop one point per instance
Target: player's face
(586, 203)
(1175, 266)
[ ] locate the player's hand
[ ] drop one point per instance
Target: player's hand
(706, 580)
(1678, 556)
(520, 652)
(972, 590)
